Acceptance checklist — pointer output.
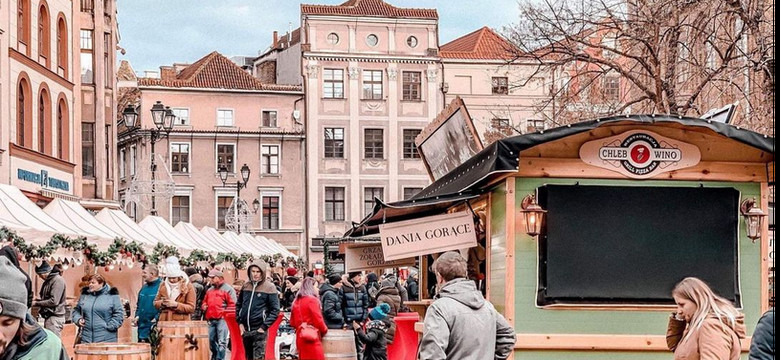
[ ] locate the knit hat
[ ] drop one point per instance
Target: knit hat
(13, 296)
(371, 277)
(334, 279)
(291, 271)
(292, 279)
(352, 274)
(217, 273)
(43, 268)
(173, 269)
(379, 312)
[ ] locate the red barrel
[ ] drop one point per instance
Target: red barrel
(404, 346)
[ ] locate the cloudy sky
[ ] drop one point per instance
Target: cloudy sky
(161, 32)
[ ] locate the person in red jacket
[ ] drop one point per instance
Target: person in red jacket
(306, 310)
(218, 298)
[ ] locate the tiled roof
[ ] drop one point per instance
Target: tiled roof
(483, 44)
(376, 8)
(125, 72)
(286, 41)
(215, 71)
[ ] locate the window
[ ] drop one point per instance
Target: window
(44, 39)
(410, 149)
(86, 39)
(62, 131)
(88, 150)
(612, 88)
(180, 209)
(333, 83)
(534, 125)
(23, 25)
(62, 47)
(133, 158)
(132, 211)
(333, 38)
(411, 41)
(225, 153)
(411, 85)
(372, 40)
(374, 144)
(224, 117)
(108, 71)
(270, 219)
(501, 125)
(270, 159)
(372, 84)
(42, 123)
(411, 192)
(86, 68)
(269, 118)
(20, 114)
(369, 194)
(182, 116)
(122, 162)
(334, 142)
(334, 204)
(88, 6)
(223, 204)
(109, 171)
(180, 157)
(500, 85)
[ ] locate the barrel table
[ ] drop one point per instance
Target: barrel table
(339, 344)
(113, 351)
(183, 340)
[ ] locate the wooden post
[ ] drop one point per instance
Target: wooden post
(509, 285)
(764, 243)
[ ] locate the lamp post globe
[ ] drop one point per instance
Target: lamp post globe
(223, 174)
(256, 205)
(168, 119)
(245, 173)
(158, 114)
(130, 117)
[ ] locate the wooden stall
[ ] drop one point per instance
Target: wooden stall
(632, 205)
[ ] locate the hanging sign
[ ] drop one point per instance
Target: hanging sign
(428, 235)
(359, 257)
(640, 154)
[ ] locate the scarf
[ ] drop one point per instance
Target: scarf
(174, 290)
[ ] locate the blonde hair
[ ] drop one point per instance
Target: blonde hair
(707, 303)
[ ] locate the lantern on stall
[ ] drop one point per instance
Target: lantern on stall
(403, 273)
(319, 269)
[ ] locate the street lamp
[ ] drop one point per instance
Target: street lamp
(163, 119)
(240, 184)
(256, 206)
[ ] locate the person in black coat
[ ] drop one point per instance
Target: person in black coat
(412, 286)
(374, 335)
(355, 299)
(762, 347)
(330, 295)
(11, 253)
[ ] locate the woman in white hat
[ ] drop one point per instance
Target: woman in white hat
(176, 298)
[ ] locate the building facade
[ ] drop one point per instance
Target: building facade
(224, 117)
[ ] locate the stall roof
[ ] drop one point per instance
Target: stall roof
(165, 233)
(216, 238)
(239, 243)
(120, 223)
(76, 217)
(501, 157)
(204, 242)
(262, 247)
(29, 221)
(277, 247)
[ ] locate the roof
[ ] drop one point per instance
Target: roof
(288, 39)
(373, 8)
(215, 71)
(482, 44)
(125, 72)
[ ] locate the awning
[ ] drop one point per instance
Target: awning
(263, 247)
(120, 223)
(76, 217)
(276, 246)
(164, 233)
(205, 243)
(29, 221)
(236, 241)
(215, 237)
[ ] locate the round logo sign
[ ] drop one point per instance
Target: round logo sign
(640, 158)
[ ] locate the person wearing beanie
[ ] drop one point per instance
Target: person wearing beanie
(99, 312)
(291, 287)
(257, 309)
(12, 255)
(21, 338)
(219, 297)
(374, 336)
(51, 304)
(176, 297)
(200, 291)
(330, 295)
(391, 293)
(372, 286)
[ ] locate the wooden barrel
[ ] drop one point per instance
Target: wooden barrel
(339, 344)
(183, 340)
(113, 351)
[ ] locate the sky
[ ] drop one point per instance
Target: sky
(161, 32)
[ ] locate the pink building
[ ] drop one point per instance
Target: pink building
(224, 117)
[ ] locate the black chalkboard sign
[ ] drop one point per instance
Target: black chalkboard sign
(631, 245)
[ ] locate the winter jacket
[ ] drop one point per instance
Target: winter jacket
(389, 295)
(217, 300)
(52, 296)
(11, 253)
(258, 302)
(145, 311)
(413, 289)
(42, 344)
(186, 302)
(713, 340)
(200, 292)
(763, 345)
(354, 302)
(392, 280)
(461, 324)
(102, 312)
(306, 309)
(375, 339)
(331, 306)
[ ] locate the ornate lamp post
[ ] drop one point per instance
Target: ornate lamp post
(240, 184)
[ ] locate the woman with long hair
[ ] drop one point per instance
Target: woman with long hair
(705, 326)
(307, 318)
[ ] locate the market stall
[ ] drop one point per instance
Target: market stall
(589, 226)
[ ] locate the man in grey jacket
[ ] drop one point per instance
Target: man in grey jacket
(460, 324)
(51, 304)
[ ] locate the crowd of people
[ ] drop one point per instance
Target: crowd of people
(704, 326)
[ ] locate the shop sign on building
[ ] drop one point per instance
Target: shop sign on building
(360, 257)
(428, 235)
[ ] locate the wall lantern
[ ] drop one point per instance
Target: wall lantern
(754, 217)
(255, 206)
(533, 214)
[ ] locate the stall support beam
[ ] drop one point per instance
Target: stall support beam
(764, 243)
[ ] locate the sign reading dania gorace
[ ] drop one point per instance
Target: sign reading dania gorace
(640, 154)
(359, 257)
(427, 235)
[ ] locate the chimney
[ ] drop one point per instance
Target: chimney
(276, 39)
(151, 74)
(167, 72)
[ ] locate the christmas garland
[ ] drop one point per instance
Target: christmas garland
(195, 257)
(162, 251)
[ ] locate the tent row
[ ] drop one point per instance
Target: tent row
(69, 218)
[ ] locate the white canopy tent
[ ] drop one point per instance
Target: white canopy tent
(275, 245)
(240, 243)
(165, 233)
(205, 243)
(120, 223)
(76, 217)
(215, 237)
(29, 221)
(254, 243)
